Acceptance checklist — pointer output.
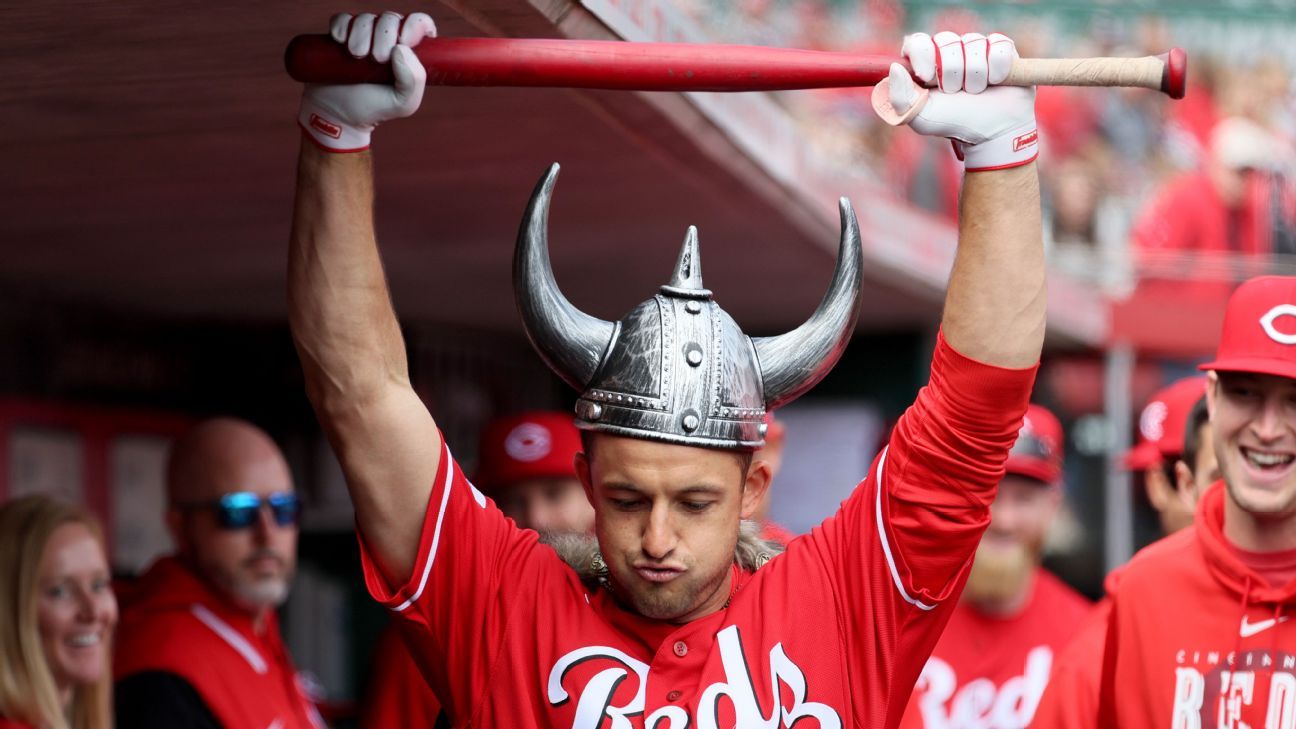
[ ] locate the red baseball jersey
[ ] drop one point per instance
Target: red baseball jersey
(988, 672)
(176, 623)
(1198, 638)
(835, 629)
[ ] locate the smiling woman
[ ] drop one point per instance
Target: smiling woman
(57, 614)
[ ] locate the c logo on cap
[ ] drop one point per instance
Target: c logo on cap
(1267, 323)
(1152, 421)
(528, 442)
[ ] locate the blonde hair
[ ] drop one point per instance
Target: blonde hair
(27, 689)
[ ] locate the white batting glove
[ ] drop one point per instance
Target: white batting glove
(342, 118)
(992, 127)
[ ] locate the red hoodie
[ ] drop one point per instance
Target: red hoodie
(173, 622)
(1071, 699)
(1197, 638)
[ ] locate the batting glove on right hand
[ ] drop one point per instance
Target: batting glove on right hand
(992, 127)
(341, 118)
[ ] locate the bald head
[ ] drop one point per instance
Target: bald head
(251, 565)
(221, 455)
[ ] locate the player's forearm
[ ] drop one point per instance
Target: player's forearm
(995, 306)
(339, 306)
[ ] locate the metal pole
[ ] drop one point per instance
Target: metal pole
(1118, 543)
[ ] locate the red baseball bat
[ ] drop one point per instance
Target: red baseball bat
(589, 64)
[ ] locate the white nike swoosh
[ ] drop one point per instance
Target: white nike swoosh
(1249, 629)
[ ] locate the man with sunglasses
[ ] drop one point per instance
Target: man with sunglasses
(199, 644)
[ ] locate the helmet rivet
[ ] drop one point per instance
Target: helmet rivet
(589, 410)
(693, 354)
(693, 307)
(690, 421)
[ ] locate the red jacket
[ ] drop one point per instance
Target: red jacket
(835, 629)
(173, 622)
(1197, 638)
(1071, 699)
(13, 724)
(988, 672)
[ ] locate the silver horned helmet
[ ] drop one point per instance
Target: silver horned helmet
(677, 368)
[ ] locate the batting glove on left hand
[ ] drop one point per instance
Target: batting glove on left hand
(342, 118)
(992, 127)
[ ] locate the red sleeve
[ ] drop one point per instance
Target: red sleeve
(1071, 699)
(898, 549)
(456, 606)
(939, 473)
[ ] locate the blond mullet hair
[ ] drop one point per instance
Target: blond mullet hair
(28, 692)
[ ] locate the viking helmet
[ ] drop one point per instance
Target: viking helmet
(677, 368)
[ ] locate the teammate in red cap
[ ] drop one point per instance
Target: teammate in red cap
(993, 660)
(1200, 630)
(772, 454)
(1161, 442)
(528, 468)
(684, 627)
(1071, 699)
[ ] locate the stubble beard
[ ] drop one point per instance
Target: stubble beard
(673, 600)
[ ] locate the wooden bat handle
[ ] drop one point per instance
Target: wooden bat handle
(1167, 72)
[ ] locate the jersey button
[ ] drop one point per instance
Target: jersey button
(681, 648)
(674, 696)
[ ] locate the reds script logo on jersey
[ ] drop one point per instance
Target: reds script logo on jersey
(980, 704)
(594, 701)
(1254, 689)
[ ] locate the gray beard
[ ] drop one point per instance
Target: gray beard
(581, 551)
(268, 593)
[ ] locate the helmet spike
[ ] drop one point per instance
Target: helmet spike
(687, 278)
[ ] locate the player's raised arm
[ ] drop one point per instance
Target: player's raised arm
(340, 310)
(947, 453)
(994, 307)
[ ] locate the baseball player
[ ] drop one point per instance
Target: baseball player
(1199, 631)
(1175, 429)
(1162, 428)
(678, 625)
(991, 664)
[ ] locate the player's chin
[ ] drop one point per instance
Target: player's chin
(661, 602)
(1266, 501)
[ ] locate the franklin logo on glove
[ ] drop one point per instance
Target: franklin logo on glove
(991, 127)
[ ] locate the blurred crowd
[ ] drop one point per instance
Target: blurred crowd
(1132, 181)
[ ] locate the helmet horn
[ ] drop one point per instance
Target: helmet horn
(794, 362)
(570, 341)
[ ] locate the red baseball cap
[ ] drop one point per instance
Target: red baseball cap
(774, 430)
(1037, 453)
(1162, 423)
(538, 444)
(1259, 329)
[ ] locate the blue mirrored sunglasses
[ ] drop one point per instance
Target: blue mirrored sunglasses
(239, 510)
